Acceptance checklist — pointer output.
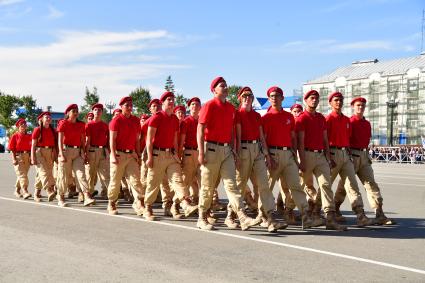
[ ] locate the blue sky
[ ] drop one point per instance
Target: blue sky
(54, 49)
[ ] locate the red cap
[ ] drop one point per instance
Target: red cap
(215, 82)
(97, 105)
(165, 95)
(296, 105)
(358, 98)
(90, 114)
(180, 107)
(192, 100)
(311, 92)
(274, 89)
(116, 110)
(20, 122)
(144, 116)
(40, 116)
(156, 101)
(335, 94)
(243, 89)
(70, 107)
(125, 99)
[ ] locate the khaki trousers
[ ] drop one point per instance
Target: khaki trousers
(165, 165)
(363, 168)
(317, 165)
(44, 168)
(287, 168)
(74, 164)
(286, 194)
(252, 163)
(345, 168)
(220, 162)
(98, 167)
(191, 171)
(129, 168)
(22, 169)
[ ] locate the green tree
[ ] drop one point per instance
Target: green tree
(169, 84)
(233, 95)
(8, 105)
(90, 98)
(181, 100)
(32, 111)
(141, 98)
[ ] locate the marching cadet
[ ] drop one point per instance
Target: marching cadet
(339, 130)
(20, 146)
(313, 150)
(116, 113)
(162, 146)
(279, 132)
(190, 166)
(215, 137)
(124, 135)
(89, 117)
(43, 154)
(359, 142)
(254, 155)
(72, 156)
(97, 137)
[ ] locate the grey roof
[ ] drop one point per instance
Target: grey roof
(362, 70)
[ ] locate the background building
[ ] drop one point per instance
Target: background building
(399, 83)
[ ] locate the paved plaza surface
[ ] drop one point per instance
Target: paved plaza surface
(40, 242)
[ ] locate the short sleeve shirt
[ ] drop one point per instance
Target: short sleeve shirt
(128, 131)
(313, 125)
(20, 142)
(360, 132)
(72, 132)
(98, 132)
(189, 128)
(278, 127)
(339, 130)
(166, 128)
(250, 122)
(47, 136)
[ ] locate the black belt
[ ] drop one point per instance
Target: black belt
(163, 149)
(44, 146)
(23, 151)
(218, 143)
(360, 149)
(280, 147)
(191, 148)
(71, 146)
(337, 147)
(126, 150)
(253, 141)
(314, 150)
(98, 146)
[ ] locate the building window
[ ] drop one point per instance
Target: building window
(393, 86)
(341, 89)
(356, 90)
(412, 85)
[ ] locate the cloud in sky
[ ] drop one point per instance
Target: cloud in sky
(57, 73)
(54, 13)
(9, 2)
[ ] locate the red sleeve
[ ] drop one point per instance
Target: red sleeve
(87, 130)
(36, 133)
(299, 124)
(62, 126)
(292, 122)
(183, 127)
(155, 121)
(12, 143)
(204, 114)
(114, 124)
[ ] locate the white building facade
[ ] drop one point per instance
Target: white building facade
(400, 81)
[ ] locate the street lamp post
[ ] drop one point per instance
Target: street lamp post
(392, 103)
(110, 105)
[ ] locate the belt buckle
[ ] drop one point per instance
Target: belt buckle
(225, 144)
(100, 146)
(127, 151)
(167, 150)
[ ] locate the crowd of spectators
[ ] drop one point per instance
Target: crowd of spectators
(399, 154)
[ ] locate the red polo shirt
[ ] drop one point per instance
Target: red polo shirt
(47, 136)
(20, 142)
(218, 117)
(313, 126)
(250, 122)
(339, 130)
(98, 133)
(72, 132)
(360, 132)
(128, 129)
(166, 128)
(277, 126)
(189, 127)
(144, 134)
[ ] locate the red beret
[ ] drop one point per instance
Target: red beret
(296, 105)
(274, 89)
(144, 116)
(180, 107)
(125, 99)
(311, 92)
(40, 116)
(215, 82)
(165, 95)
(70, 107)
(358, 98)
(90, 114)
(243, 89)
(20, 122)
(155, 100)
(97, 105)
(192, 100)
(335, 94)
(116, 110)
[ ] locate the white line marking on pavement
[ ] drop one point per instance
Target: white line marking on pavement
(399, 177)
(395, 266)
(401, 184)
